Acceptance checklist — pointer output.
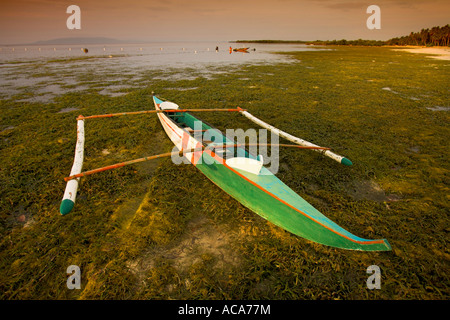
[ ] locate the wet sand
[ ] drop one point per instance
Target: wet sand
(441, 53)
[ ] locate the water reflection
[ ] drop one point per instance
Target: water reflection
(154, 54)
(46, 71)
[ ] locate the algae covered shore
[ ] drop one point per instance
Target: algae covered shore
(160, 231)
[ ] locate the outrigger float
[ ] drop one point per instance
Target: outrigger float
(237, 172)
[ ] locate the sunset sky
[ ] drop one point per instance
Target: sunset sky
(27, 21)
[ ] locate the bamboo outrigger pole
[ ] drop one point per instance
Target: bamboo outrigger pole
(296, 140)
(70, 192)
(182, 152)
(156, 111)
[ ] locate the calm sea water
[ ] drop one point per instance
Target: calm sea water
(38, 73)
(154, 54)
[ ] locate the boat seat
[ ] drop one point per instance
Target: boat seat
(166, 105)
(246, 164)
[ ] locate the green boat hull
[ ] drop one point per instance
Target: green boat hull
(296, 216)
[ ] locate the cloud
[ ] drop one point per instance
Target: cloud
(348, 5)
(352, 5)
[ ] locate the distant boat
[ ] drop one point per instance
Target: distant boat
(241, 49)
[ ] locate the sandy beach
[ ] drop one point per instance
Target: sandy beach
(441, 53)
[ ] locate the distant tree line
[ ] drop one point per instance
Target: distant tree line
(343, 42)
(273, 41)
(436, 36)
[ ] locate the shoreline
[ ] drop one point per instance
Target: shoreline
(440, 53)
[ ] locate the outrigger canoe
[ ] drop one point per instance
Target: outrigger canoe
(236, 171)
(250, 183)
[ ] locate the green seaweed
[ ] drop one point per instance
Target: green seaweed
(157, 230)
